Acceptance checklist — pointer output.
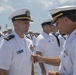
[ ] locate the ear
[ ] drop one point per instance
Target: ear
(66, 19)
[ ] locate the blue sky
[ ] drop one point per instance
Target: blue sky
(39, 10)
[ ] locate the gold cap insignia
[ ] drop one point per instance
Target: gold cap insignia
(27, 13)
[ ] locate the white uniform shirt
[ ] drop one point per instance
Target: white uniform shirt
(62, 41)
(57, 48)
(30, 36)
(68, 56)
(1, 39)
(1, 36)
(15, 56)
(46, 46)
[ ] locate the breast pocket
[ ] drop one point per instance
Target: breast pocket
(19, 59)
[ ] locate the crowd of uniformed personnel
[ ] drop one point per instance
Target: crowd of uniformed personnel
(54, 49)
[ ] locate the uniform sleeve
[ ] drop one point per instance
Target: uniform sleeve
(40, 45)
(5, 55)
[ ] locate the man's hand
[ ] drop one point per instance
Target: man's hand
(3, 72)
(53, 73)
(36, 58)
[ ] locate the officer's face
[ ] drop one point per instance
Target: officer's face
(61, 25)
(54, 29)
(47, 28)
(22, 26)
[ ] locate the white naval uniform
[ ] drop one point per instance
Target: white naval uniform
(58, 46)
(15, 56)
(1, 39)
(62, 41)
(45, 45)
(1, 36)
(30, 36)
(68, 56)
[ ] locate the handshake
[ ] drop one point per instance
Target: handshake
(37, 58)
(51, 61)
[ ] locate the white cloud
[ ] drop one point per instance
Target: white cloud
(46, 3)
(10, 8)
(2, 9)
(6, 1)
(53, 3)
(66, 2)
(29, 1)
(63, 1)
(6, 8)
